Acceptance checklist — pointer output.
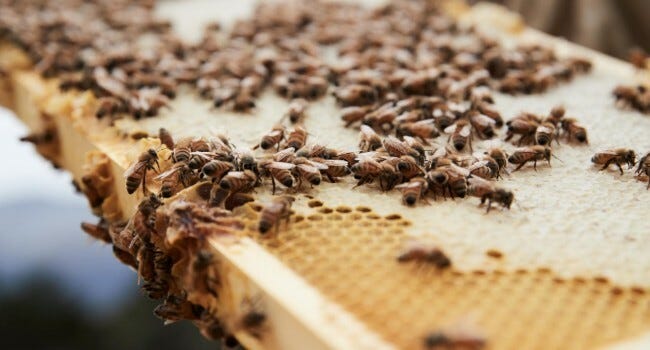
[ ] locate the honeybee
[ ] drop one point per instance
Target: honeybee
(397, 148)
(420, 83)
(574, 131)
(355, 95)
(530, 154)
(98, 231)
(485, 168)
(443, 118)
(644, 168)
(417, 146)
(179, 173)
(335, 168)
(617, 156)
(110, 106)
(216, 169)
(125, 257)
(199, 159)
(243, 101)
(424, 129)
(136, 174)
(500, 156)
(166, 138)
(413, 190)
(483, 124)
(354, 114)
(286, 155)
(273, 138)
(182, 150)
(461, 132)
(308, 170)
(349, 156)
(237, 200)
(203, 278)
(246, 161)
(253, 319)
(389, 176)
(175, 309)
(486, 190)
(461, 337)
(450, 178)
(369, 139)
(556, 116)
(409, 167)
(278, 171)
(424, 252)
(381, 118)
(319, 151)
(217, 195)
(487, 110)
(238, 181)
(296, 110)
(366, 170)
(524, 125)
(278, 209)
(297, 138)
(544, 134)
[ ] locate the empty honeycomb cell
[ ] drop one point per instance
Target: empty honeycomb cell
(493, 253)
(363, 209)
(343, 209)
(373, 216)
(314, 203)
(325, 210)
(393, 217)
(315, 217)
(297, 218)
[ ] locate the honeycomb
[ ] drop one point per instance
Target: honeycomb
(349, 255)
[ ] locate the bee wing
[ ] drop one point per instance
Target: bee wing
(320, 166)
(308, 168)
(450, 129)
(407, 185)
(335, 162)
(465, 131)
(134, 168)
(366, 156)
(484, 120)
(167, 173)
(440, 152)
(367, 131)
(275, 132)
(281, 165)
(479, 182)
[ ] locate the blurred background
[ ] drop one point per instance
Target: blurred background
(58, 288)
(611, 26)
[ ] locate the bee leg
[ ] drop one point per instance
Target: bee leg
(330, 178)
(520, 166)
(509, 135)
(606, 165)
(619, 167)
(143, 182)
(535, 164)
(489, 205)
(273, 185)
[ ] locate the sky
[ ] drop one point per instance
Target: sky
(40, 215)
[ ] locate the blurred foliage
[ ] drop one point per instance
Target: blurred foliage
(39, 314)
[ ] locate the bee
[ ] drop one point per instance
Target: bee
(499, 156)
(530, 154)
(418, 147)
(460, 338)
(366, 170)
(175, 309)
(287, 155)
(125, 257)
(461, 132)
(574, 131)
(486, 190)
(245, 161)
(146, 266)
(450, 178)
(617, 156)
(421, 83)
(644, 168)
(487, 110)
(335, 168)
(397, 148)
(297, 138)
(424, 129)
(389, 176)
(296, 110)
(319, 151)
(443, 118)
(381, 118)
(243, 101)
(199, 159)
(483, 124)
(355, 95)
(253, 319)
(278, 209)
(166, 138)
(369, 139)
(98, 231)
(238, 181)
(203, 277)
(182, 151)
(136, 174)
(544, 134)
(424, 252)
(282, 172)
(272, 138)
(216, 169)
(413, 190)
(349, 156)
(486, 168)
(217, 195)
(354, 114)
(524, 125)
(179, 173)
(110, 106)
(556, 116)
(308, 170)
(409, 167)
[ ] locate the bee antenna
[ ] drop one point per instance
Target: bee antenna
(554, 156)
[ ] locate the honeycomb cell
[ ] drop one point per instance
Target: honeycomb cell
(349, 255)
